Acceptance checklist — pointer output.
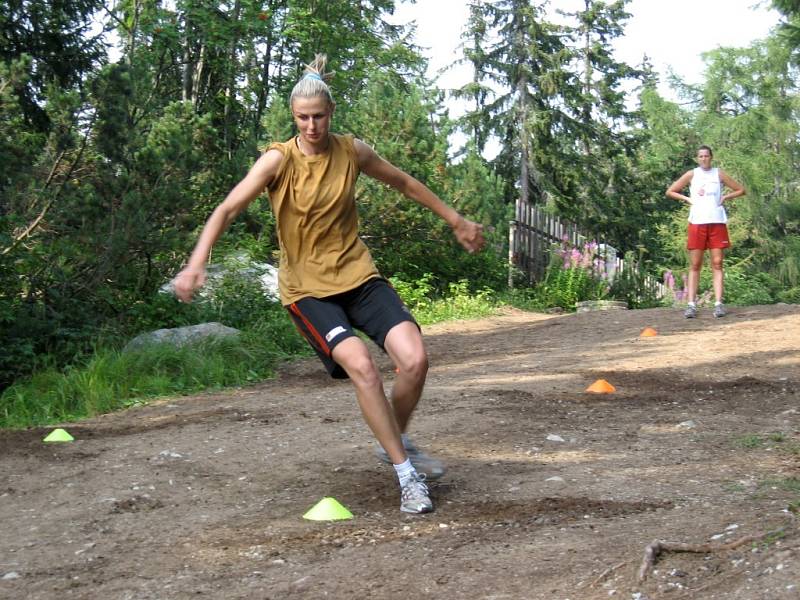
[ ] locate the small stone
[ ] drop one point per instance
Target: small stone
(11, 575)
(300, 584)
(555, 479)
(554, 438)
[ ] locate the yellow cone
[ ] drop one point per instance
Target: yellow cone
(328, 509)
(59, 435)
(601, 386)
(648, 332)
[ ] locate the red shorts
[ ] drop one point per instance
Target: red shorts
(708, 235)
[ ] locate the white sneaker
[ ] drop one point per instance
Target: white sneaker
(414, 495)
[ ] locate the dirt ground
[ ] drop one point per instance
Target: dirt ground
(203, 496)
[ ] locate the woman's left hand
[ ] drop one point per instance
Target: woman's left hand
(469, 235)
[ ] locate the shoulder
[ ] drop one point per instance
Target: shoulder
(364, 152)
(344, 140)
(281, 147)
(274, 155)
(271, 163)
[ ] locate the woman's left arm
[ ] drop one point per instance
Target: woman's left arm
(737, 189)
(468, 233)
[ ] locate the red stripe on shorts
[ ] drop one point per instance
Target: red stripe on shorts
(316, 335)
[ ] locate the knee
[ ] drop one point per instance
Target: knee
(716, 264)
(415, 365)
(362, 371)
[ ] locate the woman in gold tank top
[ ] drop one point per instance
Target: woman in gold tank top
(327, 278)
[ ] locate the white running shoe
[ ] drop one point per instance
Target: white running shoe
(414, 495)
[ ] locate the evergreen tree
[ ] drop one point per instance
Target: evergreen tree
(608, 199)
(57, 37)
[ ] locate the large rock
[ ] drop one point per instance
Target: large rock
(180, 336)
(241, 266)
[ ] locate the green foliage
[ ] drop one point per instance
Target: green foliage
(743, 287)
(789, 296)
(111, 379)
(634, 284)
(399, 232)
(524, 298)
(565, 287)
(457, 302)
(751, 441)
(417, 294)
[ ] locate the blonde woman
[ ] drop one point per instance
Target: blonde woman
(327, 278)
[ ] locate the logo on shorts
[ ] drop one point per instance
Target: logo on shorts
(334, 332)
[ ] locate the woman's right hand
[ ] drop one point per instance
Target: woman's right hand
(188, 281)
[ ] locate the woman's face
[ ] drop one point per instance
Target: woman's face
(704, 158)
(313, 118)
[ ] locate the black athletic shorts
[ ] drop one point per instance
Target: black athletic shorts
(373, 307)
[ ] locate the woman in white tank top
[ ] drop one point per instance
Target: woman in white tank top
(707, 223)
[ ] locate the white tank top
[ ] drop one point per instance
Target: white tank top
(706, 194)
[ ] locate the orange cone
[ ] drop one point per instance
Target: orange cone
(601, 386)
(648, 332)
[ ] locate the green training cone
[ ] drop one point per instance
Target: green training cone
(59, 435)
(328, 509)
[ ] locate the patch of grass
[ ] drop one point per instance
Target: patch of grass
(776, 440)
(750, 441)
(787, 484)
(459, 304)
(734, 487)
(524, 299)
(111, 379)
(765, 543)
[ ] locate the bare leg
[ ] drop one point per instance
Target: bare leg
(695, 265)
(352, 354)
(716, 272)
(405, 347)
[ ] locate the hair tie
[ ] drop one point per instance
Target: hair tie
(312, 76)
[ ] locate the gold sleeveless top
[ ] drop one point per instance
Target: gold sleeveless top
(313, 199)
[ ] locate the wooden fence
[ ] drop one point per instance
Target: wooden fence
(532, 234)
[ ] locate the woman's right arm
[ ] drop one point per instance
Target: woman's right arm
(193, 276)
(674, 191)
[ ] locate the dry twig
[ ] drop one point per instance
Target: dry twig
(657, 547)
(606, 573)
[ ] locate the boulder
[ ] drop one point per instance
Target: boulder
(240, 266)
(180, 336)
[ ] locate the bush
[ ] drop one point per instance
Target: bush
(790, 296)
(743, 288)
(566, 287)
(110, 379)
(459, 302)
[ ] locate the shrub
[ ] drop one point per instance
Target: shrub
(743, 288)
